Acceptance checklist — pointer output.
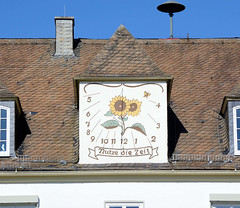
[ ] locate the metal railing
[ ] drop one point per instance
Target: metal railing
(203, 158)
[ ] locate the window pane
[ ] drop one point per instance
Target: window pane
(3, 135)
(132, 207)
(238, 144)
(238, 134)
(3, 113)
(238, 112)
(114, 207)
(238, 122)
(2, 146)
(226, 206)
(3, 124)
(18, 206)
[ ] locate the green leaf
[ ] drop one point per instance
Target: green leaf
(109, 113)
(139, 127)
(110, 124)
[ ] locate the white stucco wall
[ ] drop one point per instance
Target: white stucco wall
(154, 194)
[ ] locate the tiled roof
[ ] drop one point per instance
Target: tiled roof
(4, 92)
(204, 71)
(122, 56)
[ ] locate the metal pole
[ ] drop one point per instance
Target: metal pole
(171, 25)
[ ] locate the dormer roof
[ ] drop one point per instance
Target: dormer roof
(6, 95)
(234, 95)
(4, 92)
(122, 58)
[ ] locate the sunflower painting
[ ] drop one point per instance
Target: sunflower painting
(119, 106)
(135, 107)
(120, 109)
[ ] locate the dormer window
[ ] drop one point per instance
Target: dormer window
(236, 127)
(8, 112)
(4, 131)
(122, 110)
(10, 109)
(231, 112)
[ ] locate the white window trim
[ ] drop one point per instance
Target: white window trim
(224, 199)
(6, 153)
(123, 204)
(236, 151)
(19, 200)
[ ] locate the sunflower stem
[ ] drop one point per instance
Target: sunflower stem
(124, 128)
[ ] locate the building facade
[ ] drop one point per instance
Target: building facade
(121, 122)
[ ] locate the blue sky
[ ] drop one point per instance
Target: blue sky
(99, 19)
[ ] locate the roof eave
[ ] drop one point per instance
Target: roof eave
(120, 176)
(79, 78)
(17, 103)
(226, 99)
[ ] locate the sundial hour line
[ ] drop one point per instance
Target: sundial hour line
(91, 105)
(96, 125)
(149, 141)
(94, 115)
(92, 94)
(114, 138)
(107, 139)
(152, 118)
(133, 139)
(107, 134)
(152, 101)
(99, 135)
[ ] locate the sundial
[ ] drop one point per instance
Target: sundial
(122, 121)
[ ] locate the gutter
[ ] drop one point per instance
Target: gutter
(119, 176)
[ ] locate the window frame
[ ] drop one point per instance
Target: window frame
(224, 200)
(236, 150)
(20, 200)
(225, 205)
(7, 152)
(124, 204)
